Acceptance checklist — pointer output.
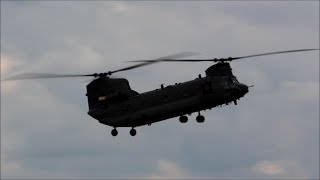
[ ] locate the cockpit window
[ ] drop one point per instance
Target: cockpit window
(234, 80)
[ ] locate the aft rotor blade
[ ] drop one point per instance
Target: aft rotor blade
(178, 55)
(149, 62)
(169, 57)
(133, 67)
(105, 74)
(43, 76)
(227, 59)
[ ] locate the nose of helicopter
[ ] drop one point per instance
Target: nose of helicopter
(244, 89)
(240, 90)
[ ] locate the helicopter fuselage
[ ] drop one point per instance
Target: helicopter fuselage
(168, 102)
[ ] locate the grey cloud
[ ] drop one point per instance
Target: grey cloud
(277, 122)
(268, 14)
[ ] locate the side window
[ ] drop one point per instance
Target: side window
(235, 80)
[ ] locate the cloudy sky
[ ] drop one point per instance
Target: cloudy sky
(273, 132)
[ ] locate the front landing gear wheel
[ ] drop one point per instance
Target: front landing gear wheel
(183, 119)
(114, 132)
(200, 119)
(133, 132)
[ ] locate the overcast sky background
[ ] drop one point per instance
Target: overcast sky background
(273, 132)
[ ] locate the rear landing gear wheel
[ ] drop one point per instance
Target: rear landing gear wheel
(183, 119)
(114, 132)
(200, 119)
(133, 132)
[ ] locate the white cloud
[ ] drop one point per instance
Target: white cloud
(279, 169)
(8, 65)
(121, 7)
(168, 170)
(12, 169)
(269, 168)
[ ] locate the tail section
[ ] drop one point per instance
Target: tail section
(103, 91)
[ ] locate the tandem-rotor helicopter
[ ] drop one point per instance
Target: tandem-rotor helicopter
(112, 102)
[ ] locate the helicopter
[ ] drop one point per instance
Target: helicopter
(112, 102)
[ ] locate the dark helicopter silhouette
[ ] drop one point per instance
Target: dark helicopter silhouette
(112, 102)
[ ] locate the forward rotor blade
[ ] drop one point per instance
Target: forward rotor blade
(42, 76)
(271, 53)
(226, 59)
